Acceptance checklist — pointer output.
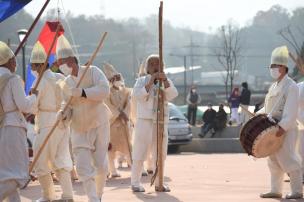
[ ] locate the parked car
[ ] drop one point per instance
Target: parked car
(179, 131)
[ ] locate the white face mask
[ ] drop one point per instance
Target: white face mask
(35, 73)
(193, 90)
(274, 73)
(118, 84)
(65, 69)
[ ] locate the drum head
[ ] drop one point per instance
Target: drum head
(267, 143)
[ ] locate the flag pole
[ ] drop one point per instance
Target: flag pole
(31, 27)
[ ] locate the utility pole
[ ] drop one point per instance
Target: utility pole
(9, 42)
(191, 47)
(185, 79)
(185, 73)
(191, 59)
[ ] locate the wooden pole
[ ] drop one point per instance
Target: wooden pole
(127, 135)
(41, 71)
(160, 110)
(32, 27)
(161, 114)
(36, 157)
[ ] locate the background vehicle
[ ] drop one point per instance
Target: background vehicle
(179, 131)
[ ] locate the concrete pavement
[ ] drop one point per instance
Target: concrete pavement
(192, 178)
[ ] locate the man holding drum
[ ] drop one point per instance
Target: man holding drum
(281, 103)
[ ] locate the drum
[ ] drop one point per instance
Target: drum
(258, 136)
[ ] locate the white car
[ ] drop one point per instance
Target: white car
(179, 131)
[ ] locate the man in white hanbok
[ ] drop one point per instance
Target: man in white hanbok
(119, 104)
(14, 159)
(145, 137)
(281, 103)
(56, 155)
(89, 119)
(301, 122)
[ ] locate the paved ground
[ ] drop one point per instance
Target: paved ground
(192, 178)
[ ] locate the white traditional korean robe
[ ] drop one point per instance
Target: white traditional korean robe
(301, 122)
(282, 102)
(145, 128)
(119, 100)
(13, 145)
(90, 129)
(56, 154)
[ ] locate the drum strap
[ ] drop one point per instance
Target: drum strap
(276, 104)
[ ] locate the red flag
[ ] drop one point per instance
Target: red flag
(46, 37)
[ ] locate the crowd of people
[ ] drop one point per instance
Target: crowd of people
(99, 121)
(95, 120)
(215, 121)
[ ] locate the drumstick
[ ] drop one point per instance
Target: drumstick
(249, 112)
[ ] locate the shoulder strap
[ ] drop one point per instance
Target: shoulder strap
(4, 80)
(278, 101)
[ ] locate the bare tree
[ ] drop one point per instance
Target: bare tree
(297, 44)
(228, 54)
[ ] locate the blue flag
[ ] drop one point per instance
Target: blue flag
(10, 7)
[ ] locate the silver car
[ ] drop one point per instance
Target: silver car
(179, 131)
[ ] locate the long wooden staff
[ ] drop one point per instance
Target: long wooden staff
(159, 172)
(41, 70)
(127, 134)
(32, 27)
(66, 106)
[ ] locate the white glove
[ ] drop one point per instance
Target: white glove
(63, 116)
(76, 92)
(60, 115)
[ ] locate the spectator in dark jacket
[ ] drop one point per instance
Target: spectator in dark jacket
(245, 101)
(209, 120)
(221, 118)
(193, 99)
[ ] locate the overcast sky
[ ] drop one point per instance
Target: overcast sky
(202, 15)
